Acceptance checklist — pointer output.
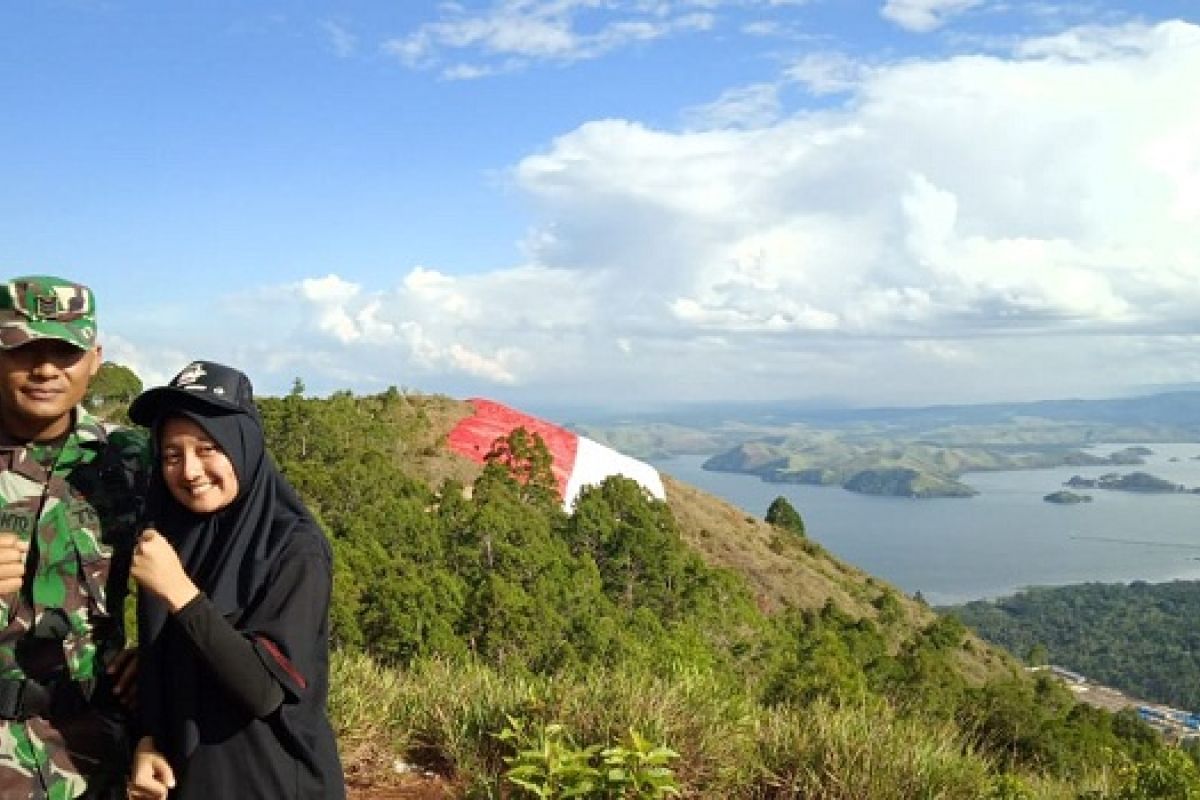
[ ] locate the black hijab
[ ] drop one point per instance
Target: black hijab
(229, 554)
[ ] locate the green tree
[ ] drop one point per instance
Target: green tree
(114, 386)
(781, 514)
(524, 457)
(633, 540)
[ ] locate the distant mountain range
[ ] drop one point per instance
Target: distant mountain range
(1180, 408)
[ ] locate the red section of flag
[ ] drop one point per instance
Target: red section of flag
(473, 437)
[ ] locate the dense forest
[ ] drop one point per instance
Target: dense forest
(1141, 638)
(483, 633)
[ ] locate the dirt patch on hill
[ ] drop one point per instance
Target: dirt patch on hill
(410, 787)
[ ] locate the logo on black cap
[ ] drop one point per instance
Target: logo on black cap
(190, 374)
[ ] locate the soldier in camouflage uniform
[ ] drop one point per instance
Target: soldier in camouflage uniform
(70, 492)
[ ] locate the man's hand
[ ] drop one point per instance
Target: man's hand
(13, 551)
(157, 569)
(151, 777)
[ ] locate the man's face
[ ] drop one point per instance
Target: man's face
(40, 383)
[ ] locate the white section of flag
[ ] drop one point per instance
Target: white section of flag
(594, 462)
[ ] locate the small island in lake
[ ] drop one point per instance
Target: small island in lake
(1142, 482)
(1067, 498)
(902, 482)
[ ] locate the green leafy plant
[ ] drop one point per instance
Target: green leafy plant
(639, 769)
(548, 764)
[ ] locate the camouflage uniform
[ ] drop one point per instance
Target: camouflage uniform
(77, 501)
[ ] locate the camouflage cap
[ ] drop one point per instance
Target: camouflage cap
(43, 307)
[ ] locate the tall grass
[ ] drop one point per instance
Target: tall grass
(447, 716)
(866, 752)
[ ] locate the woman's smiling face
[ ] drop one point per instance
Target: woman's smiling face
(196, 470)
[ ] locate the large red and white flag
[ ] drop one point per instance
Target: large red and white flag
(577, 461)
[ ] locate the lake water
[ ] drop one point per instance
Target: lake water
(1005, 538)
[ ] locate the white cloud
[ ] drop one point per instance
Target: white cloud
(499, 328)
(343, 43)
(922, 16)
(470, 72)
(975, 196)
(1093, 42)
(494, 368)
(827, 73)
(751, 106)
(512, 33)
(343, 313)
(723, 315)
(939, 351)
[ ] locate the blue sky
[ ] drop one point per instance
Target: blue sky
(564, 203)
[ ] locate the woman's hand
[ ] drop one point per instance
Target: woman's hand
(157, 569)
(151, 777)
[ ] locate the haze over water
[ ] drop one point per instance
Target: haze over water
(1003, 539)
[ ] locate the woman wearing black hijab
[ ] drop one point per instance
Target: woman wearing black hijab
(234, 580)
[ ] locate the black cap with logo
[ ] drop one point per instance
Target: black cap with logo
(201, 385)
